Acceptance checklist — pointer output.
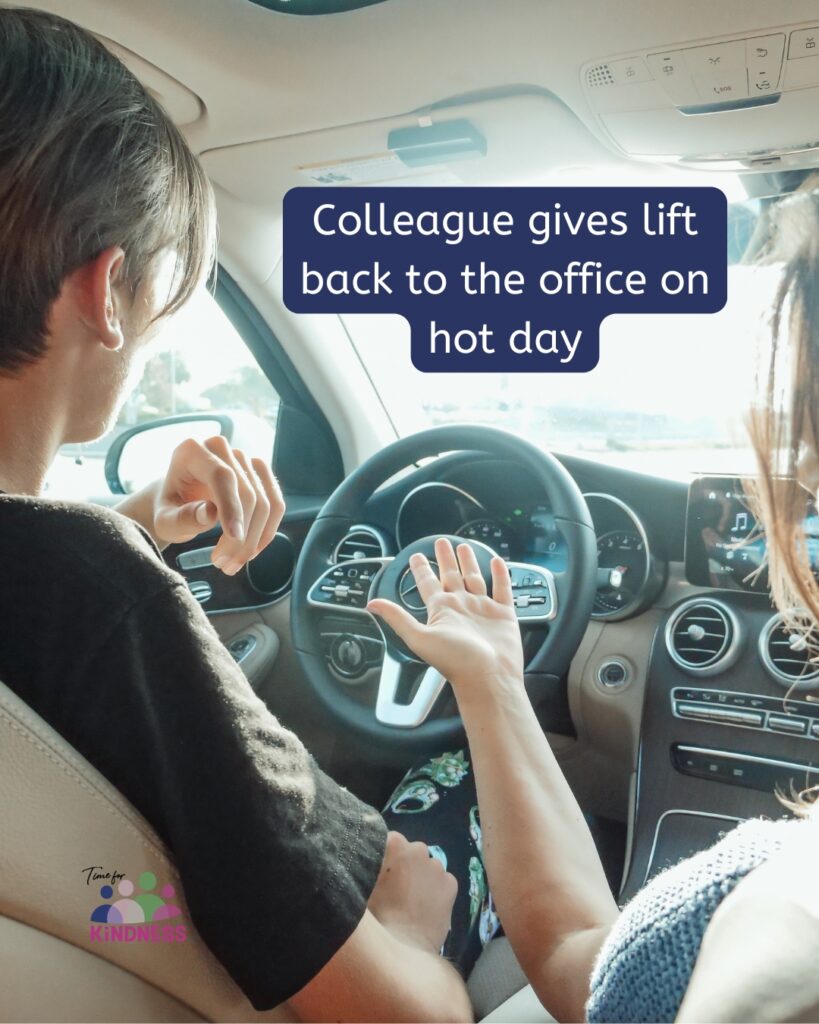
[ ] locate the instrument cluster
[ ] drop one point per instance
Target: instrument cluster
(630, 574)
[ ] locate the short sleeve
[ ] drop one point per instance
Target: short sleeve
(277, 861)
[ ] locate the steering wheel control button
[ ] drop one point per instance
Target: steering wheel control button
(346, 586)
(533, 592)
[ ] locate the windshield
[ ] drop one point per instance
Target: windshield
(668, 397)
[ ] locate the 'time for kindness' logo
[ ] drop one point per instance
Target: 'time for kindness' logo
(134, 913)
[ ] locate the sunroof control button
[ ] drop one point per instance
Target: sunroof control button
(671, 71)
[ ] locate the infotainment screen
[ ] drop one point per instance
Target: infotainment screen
(724, 544)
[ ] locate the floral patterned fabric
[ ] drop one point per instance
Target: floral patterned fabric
(436, 803)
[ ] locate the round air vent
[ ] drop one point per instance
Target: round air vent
(703, 637)
(785, 654)
(360, 542)
(270, 572)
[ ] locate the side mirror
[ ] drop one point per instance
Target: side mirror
(141, 454)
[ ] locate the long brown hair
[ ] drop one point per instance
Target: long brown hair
(784, 420)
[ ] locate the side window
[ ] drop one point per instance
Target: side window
(198, 363)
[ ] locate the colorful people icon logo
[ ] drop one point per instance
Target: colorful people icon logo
(136, 907)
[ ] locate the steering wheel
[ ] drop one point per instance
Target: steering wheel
(402, 727)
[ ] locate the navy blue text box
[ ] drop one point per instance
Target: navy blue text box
(561, 256)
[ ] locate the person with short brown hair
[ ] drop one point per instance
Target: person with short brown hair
(107, 227)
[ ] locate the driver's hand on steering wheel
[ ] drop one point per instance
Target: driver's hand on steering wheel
(468, 636)
(210, 483)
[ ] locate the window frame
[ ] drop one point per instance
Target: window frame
(306, 428)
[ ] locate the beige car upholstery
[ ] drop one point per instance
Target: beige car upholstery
(496, 977)
(59, 817)
(523, 1007)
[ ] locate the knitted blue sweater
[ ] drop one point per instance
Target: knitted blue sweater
(646, 962)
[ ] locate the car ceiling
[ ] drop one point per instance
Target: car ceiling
(259, 94)
(234, 73)
(261, 74)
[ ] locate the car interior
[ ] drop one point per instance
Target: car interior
(673, 695)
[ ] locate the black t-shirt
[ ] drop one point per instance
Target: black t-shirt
(106, 643)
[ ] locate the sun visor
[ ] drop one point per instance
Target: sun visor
(747, 102)
(511, 140)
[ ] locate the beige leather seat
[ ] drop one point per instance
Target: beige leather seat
(498, 989)
(58, 816)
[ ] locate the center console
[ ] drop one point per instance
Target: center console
(731, 713)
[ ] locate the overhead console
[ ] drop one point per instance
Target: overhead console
(743, 102)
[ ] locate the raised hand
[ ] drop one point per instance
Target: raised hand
(468, 636)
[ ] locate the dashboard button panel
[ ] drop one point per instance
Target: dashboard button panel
(746, 710)
(738, 769)
(718, 713)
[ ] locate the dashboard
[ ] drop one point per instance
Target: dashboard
(498, 505)
(683, 721)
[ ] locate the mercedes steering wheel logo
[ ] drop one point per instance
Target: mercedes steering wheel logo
(408, 590)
